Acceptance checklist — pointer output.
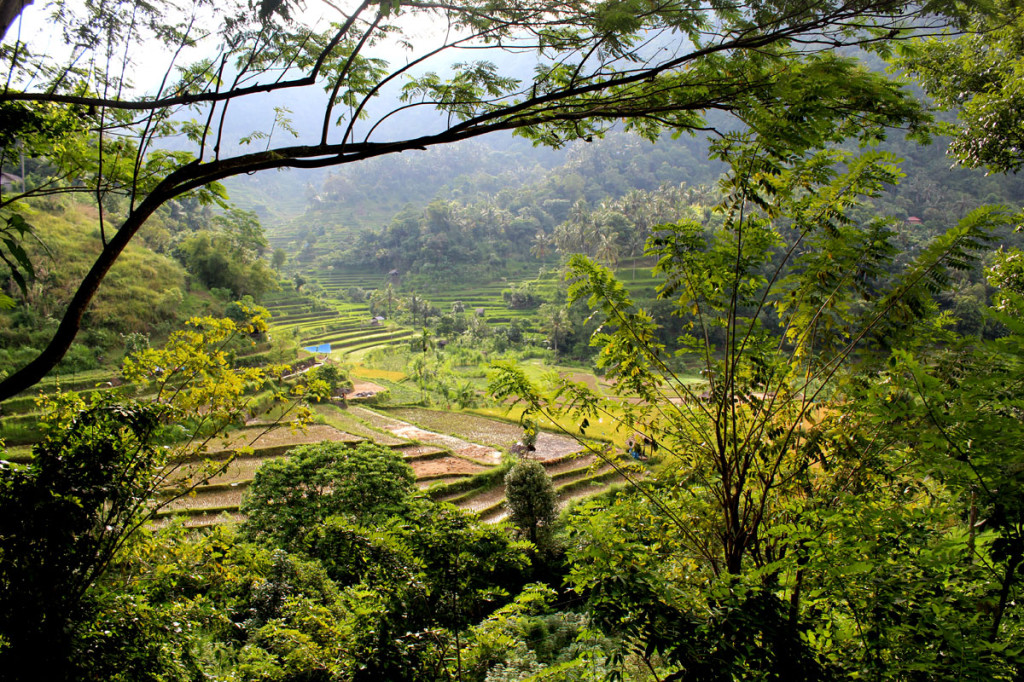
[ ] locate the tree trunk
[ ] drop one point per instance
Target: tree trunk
(10, 10)
(1004, 593)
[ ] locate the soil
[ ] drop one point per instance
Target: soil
(283, 435)
(445, 465)
(552, 446)
(364, 389)
(569, 464)
(585, 491)
(468, 459)
(493, 433)
(484, 499)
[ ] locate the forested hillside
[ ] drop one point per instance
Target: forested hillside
(189, 261)
(151, 296)
(469, 211)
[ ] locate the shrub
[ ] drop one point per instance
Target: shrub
(531, 500)
(289, 497)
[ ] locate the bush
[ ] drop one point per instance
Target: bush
(289, 497)
(531, 500)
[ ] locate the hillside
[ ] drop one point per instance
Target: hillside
(145, 292)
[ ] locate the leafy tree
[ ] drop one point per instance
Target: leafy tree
(531, 499)
(976, 73)
(410, 585)
(959, 405)
(607, 249)
(14, 256)
(470, 566)
(521, 296)
(228, 256)
(135, 342)
(710, 561)
(555, 321)
(64, 517)
(325, 381)
(291, 496)
(103, 469)
(279, 258)
(597, 65)
(542, 244)
(529, 439)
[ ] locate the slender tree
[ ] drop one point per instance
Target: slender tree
(531, 499)
(765, 470)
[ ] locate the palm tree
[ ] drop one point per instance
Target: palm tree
(555, 321)
(542, 244)
(608, 249)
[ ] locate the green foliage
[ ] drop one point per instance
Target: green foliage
(148, 293)
(710, 567)
(325, 381)
(531, 500)
(228, 256)
(960, 405)
(352, 553)
(14, 256)
(135, 343)
(977, 74)
(378, 597)
(793, 528)
(278, 259)
(555, 321)
(529, 439)
(290, 497)
(521, 296)
(471, 566)
(101, 471)
(193, 373)
(64, 516)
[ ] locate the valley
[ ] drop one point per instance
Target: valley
(511, 342)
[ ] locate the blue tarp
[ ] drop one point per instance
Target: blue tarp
(322, 348)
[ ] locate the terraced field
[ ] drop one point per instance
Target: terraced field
(337, 282)
(454, 457)
(345, 326)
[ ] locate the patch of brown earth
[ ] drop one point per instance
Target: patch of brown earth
(445, 465)
(484, 499)
(552, 446)
(363, 389)
(282, 435)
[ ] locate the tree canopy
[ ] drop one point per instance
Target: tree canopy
(110, 120)
(978, 75)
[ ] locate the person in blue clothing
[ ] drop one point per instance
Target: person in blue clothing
(636, 446)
